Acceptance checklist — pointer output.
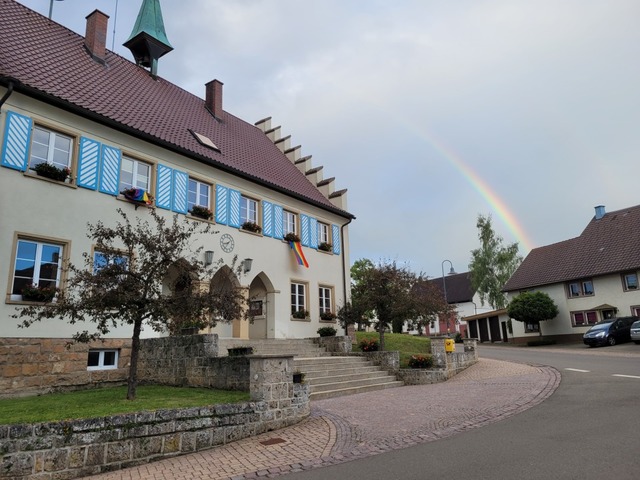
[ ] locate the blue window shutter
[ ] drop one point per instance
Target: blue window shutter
(110, 170)
(17, 135)
(267, 219)
(234, 208)
(164, 187)
(277, 222)
(88, 162)
(222, 200)
(304, 230)
(313, 232)
(335, 238)
(180, 185)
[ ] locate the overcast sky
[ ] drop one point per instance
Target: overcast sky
(428, 112)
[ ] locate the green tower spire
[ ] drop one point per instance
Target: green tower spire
(148, 40)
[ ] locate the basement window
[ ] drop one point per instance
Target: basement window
(102, 360)
(204, 140)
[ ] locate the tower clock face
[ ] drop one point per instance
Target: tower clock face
(227, 243)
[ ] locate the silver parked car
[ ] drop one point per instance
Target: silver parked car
(635, 332)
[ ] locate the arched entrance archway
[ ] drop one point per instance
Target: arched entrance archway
(261, 307)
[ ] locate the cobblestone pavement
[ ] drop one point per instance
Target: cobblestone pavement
(339, 429)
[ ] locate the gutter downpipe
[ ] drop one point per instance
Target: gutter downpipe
(344, 268)
(7, 94)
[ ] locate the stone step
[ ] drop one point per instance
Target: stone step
(303, 362)
(340, 385)
(353, 390)
(373, 375)
(330, 371)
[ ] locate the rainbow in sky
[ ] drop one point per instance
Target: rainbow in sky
(489, 195)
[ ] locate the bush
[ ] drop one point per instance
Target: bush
(369, 345)
(327, 332)
(458, 338)
(420, 361)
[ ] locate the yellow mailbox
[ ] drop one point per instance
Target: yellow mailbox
(449, 345)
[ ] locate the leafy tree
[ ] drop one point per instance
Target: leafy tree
(149, 275)
(428, 303)
(492, 264)
(532, 307)
(386, 290)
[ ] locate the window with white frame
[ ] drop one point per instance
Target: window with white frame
(289, 222)
(531, 327)
(323, 233)
(134, 174)
(199, 194)
(298, 297)
(102, 359)
(37, 266)
(325, 297)
(50, 147)
(580, 319)
(582, 288)
(248, 210)
(630, 281)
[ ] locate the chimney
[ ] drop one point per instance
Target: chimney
(213, 98)
(599, 212)
(95, 39)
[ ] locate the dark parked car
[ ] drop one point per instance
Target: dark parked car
(635, 332)
(610, 332)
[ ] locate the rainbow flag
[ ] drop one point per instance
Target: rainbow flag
(297, 250)
(137, 195)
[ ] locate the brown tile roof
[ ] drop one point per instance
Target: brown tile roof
(51, 62)
(608, 245)
(458, 287)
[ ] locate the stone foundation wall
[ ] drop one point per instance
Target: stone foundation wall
(30, 366)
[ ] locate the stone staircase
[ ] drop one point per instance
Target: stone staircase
(336, 376)
(328, 376)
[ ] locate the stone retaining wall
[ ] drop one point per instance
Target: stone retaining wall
(341, 345)
(86, 447)
(83, 447)
(191, 360)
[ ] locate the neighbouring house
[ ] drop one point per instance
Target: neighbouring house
(80, 125)
(458, 292)
(590, 278)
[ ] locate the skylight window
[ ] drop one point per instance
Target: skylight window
(204, 140)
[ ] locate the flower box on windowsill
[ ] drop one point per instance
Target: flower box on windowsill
(300, 314)
(291, 237)
(327, 316)
(34, 293)
(52, 172)
(201, 212)
(239, 351)
(251, 227)
(325, 247)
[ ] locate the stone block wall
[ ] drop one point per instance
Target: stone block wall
(446, 364)
(86, 447)
(191, 360)
(341, 345)
(30, 366)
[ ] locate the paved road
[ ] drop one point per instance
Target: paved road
(350, 431)
(588, 429)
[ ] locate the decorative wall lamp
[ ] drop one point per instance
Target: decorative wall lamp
(246, 264)
(208, 257)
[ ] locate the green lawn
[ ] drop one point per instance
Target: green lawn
(407, 345)
(109, 401)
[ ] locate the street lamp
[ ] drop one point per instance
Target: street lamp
(444, 286)
(51, 7)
